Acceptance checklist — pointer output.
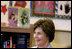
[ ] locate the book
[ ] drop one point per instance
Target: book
(21, 41)
(8, 44)
(14, 46)
(4, 44)
(10, 41)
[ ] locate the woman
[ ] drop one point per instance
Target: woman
(44, 31)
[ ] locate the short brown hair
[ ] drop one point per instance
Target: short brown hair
(47, 26)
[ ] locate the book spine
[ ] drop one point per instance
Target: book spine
(14, 46)
(10, 41)
(4, 44)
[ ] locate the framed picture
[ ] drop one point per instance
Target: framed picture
(12, 16)
(63, 9)
(24, 14)
(43, 8)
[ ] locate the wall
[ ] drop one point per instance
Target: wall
(62, 40)
(60, 24)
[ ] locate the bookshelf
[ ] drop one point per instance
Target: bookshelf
(18, 30)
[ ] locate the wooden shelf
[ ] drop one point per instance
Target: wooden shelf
(16, 29)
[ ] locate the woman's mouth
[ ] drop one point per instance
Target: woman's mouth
(37, 40)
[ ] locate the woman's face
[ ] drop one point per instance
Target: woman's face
(40, 37)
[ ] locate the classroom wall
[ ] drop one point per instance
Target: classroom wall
(62, 39)
(60, 24)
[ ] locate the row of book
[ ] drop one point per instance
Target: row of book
(15, 40)
(8, 43)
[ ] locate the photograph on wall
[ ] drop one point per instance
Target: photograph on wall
(12, 16)
(63, 9)
(24, 14)
(43, 8)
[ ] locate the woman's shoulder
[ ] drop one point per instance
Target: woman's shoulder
(47, 47)
(34, 47)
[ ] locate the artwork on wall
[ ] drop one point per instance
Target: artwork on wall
(43, 8)
(12, 16)
(24, 14)
(21, 4)
(4, 9)
(4, 5)
(63, 9)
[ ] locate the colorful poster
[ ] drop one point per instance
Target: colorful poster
(24, 14)
(12, 16)
(63, 9)
(43, 8)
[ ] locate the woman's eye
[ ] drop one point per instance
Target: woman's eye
(39, 33)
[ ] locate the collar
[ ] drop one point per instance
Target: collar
(47, 46)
